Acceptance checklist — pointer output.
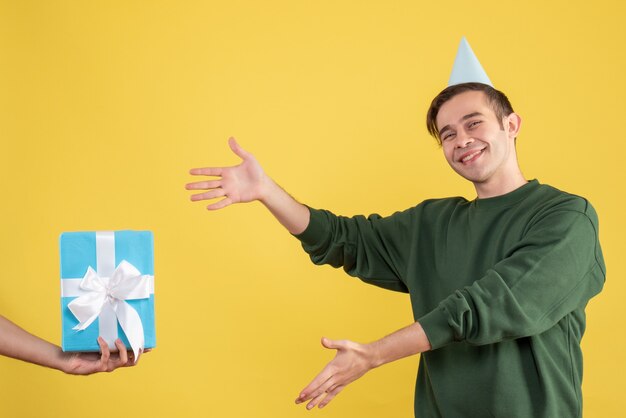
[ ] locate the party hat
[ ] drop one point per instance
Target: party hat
(467, 68)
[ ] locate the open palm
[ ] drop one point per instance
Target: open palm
(237, 184)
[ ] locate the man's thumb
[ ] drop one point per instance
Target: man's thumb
(237, 149)
(332, 344)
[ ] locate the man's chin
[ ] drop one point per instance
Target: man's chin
(471, 177)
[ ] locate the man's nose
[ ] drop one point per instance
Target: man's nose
(463, 139)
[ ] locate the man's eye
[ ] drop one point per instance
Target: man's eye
(474, 123)
(448, 136)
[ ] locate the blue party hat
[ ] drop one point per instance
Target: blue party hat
(467, 68)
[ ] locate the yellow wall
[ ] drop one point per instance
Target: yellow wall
(104, 106)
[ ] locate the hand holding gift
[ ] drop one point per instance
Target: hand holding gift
(15, 342)
(105, 361)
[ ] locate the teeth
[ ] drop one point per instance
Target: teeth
(472, 155)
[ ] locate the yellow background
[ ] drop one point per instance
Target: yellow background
(104, 106)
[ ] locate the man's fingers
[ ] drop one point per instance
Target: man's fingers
(220, 204)
(321, 395)
(316, 387)
(203, 185)
(324, 394)
(325, 387)
(105, 353)
(102, 344)
(211, 194)
(315, 401)
(331, 395)
(322, 382)
(206, 171)
(310, 391)
(122, 352)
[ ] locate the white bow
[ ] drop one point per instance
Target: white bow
(126, 283)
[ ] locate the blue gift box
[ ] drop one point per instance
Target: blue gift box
(103, 252)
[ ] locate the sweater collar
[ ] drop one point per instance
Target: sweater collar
(507, 199)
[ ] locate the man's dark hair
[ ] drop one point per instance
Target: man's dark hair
(496, 99)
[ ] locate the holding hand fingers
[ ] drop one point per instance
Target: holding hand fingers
(105, 361)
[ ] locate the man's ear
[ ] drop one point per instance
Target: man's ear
(512, 124)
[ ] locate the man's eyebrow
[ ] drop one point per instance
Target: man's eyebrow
(466, 117)
(445, 128)
(471, 115)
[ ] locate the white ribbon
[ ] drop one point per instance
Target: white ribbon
(126, 283)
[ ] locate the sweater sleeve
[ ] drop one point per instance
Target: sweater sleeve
(556, 268)
(374, 249)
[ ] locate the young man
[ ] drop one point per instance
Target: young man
(498, 284)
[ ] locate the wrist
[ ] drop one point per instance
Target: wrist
(59, 360)
(267, 189)
(374, 354)
(52, 356)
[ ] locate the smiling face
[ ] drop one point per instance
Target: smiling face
(477, 145)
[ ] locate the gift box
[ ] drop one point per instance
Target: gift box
(107, 289)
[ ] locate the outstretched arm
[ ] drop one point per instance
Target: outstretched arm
(19, 344)
(248, 182)
(353, 360)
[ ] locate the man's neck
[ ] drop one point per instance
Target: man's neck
(499, 187)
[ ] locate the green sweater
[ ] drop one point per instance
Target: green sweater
(499, 285)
